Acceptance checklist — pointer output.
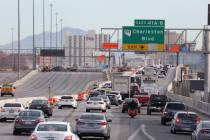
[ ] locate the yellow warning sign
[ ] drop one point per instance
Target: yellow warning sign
(144, 47)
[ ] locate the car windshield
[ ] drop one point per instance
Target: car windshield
(175, 106)
(206, 125)
(30, 114)
(143, 93)
(158, 98)
(12, 105)
(66, 97)
(7, 86)
(92, 117)
(39, 102)
(52, 127)
(187, 116)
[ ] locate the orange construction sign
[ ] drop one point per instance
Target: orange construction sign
(110, 45)
(175, 48)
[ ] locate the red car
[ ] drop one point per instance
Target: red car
(143, 98)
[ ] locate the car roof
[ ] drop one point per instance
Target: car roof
(175, 103)
(182, 112)
(93, 114)
(54, 122)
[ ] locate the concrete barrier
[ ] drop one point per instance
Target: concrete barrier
(25, 78)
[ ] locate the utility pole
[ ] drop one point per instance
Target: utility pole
(51, 10)
(34, 51)
(61, 20)
(43, 28)
(12, 56)
(18, 39)
(109, 53)
(56, 36)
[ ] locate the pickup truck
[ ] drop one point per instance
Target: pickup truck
(143, 98)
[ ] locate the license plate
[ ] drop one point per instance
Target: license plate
(95, 103)
(50, 139)
(11, 111)
(91, 125)
(38, 107)
(28, 122)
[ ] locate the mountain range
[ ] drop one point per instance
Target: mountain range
(27, 43)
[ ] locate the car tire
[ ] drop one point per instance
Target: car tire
(103, 110)
(60, 107)
(2, 95)
(123, 111)
(12, 95)
(87, 110)
(106, 137)
(149, 112)
(163, 122)
(15, 132)
(74, 107)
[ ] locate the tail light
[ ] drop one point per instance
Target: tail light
(33, 137)
(68, 138)
(198, 119)
(177, 120)
(2, 110)
(79, 122)
(18, 121)
(39, 120)
(103, 123)
(88, 102)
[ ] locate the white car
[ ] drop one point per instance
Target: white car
(53, 131)
(118, 95)
(95, 103)
(11, 110)
(67, 101)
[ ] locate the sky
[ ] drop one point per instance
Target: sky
(95, 14)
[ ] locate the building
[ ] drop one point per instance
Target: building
(80, 49)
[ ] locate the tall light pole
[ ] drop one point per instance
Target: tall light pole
(51, 10)
(56, 36)
(43, 28)
(12, 56)
(34, 49)
(61, 20)
(18, 39)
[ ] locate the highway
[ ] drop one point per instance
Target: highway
(143, 127)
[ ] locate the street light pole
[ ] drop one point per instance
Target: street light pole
(56, 36)
(43, 28)
(51, 6)
(18, 39)
(34, 53)
(12, 56)
(61, 20)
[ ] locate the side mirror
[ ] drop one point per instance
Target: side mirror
(109, 120)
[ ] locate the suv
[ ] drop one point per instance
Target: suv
(156, 103)
(171, 108)
(67, 101)
(42, 104)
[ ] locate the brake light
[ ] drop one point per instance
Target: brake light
(2, 110)
(177, 120)
(18, 121)
(68, 138)
(33, 137)
(103, 123)
(39, 120)
(198, 119)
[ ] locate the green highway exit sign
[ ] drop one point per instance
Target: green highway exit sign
(149, 23)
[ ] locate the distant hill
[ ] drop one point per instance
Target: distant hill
(26, 43)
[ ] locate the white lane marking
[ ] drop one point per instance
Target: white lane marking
(143, 128)
(134, 134)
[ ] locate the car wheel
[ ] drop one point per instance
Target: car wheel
(106, 138)
(163, 122)
(87, 110)
(74, 107)
(2, 95)
(149, 112)
(60, 107)
(103, 110)
(15, 132)
(12, 95)
(123, 111)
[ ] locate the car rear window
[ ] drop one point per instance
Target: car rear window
(143, 93)
(12, 105)
(66, 97)
(95, 99)
(52, 127)
(7, 86)
(92, 117)
(176, 106)
(39, 102)
(111, 96)
(158, 98)
(114, 93)
(206, 125)
(30, 114)
(187, 116)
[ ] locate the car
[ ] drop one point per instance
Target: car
(95, 103)
(106, 100)
(126, 102)
(7, 89)
(67, 101)
(27, 120)
(117, 93)
(11, 111)
(202, 131)
(161, 75)
(94, 125)
(170, 110)
(156, 103)
(113, 99)
(42, 104)
(54, 130)
(184, 122)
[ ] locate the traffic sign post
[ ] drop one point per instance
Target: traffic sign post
(143, 38)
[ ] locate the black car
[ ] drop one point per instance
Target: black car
(113, 99)
(125, 104)
(27, 120)
(156, 103)
(43, 105)
(170, 109)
